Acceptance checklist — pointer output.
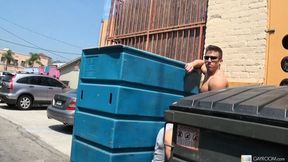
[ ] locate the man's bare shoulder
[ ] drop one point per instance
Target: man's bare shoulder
(217, 82)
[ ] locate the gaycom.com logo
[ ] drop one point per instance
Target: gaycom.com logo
(246, 158)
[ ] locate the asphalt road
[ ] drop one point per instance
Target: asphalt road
(28, 136)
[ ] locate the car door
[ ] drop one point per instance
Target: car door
(54, 87)
(38, 87)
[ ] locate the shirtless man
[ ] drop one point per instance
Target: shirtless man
(214, 79)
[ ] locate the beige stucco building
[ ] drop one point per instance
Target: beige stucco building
(20, 61)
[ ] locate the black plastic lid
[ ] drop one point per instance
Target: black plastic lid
(265, 103)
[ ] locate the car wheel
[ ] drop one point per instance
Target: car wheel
(24, 102)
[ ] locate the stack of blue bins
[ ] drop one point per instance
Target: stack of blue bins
(123, 93)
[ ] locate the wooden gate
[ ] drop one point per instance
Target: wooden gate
(171, 28)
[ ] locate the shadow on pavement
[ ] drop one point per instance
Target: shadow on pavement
(62, 128)
(4, 106)
(9, 108)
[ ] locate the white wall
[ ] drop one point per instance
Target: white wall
(72, 77)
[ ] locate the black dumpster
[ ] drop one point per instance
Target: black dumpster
(248, 123)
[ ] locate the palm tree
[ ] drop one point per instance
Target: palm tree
(8, 58)
(34, 57)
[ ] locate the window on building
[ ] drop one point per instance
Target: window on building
(16, 62)
(23, 63)
(11, 62)
(2, 59)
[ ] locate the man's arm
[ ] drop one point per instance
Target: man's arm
(159, 155)
(217, 83)
(196, 64)
(168, 143)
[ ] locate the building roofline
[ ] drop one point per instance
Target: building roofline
(71, 62)
(43, 55)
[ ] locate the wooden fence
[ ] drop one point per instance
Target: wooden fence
(171, 28)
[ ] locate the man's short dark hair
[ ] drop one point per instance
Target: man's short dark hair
(216, 49)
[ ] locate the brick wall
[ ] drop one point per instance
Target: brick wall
(238, 27)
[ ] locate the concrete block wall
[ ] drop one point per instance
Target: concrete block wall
(238, 27)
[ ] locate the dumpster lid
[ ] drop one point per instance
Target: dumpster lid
(267, 104)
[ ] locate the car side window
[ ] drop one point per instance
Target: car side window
(54, 83)
(43, 81)
(23, 80)
(34, 80)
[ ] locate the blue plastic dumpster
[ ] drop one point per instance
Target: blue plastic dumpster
(122, 95)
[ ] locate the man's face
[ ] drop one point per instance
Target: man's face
(212, 61)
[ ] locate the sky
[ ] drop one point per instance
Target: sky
(58, 28)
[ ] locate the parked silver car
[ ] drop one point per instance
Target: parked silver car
(63, 107)
(25, 90)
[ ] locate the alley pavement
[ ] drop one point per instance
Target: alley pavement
(28, 136)
(16, 144)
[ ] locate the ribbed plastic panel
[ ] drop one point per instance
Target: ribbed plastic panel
(255, 102)
(122, 95)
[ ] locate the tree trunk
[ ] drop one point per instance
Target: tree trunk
(6, 66)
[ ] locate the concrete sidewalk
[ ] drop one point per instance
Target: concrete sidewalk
(16, 144)
(35, 122)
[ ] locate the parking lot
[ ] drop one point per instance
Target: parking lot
(35, 121)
